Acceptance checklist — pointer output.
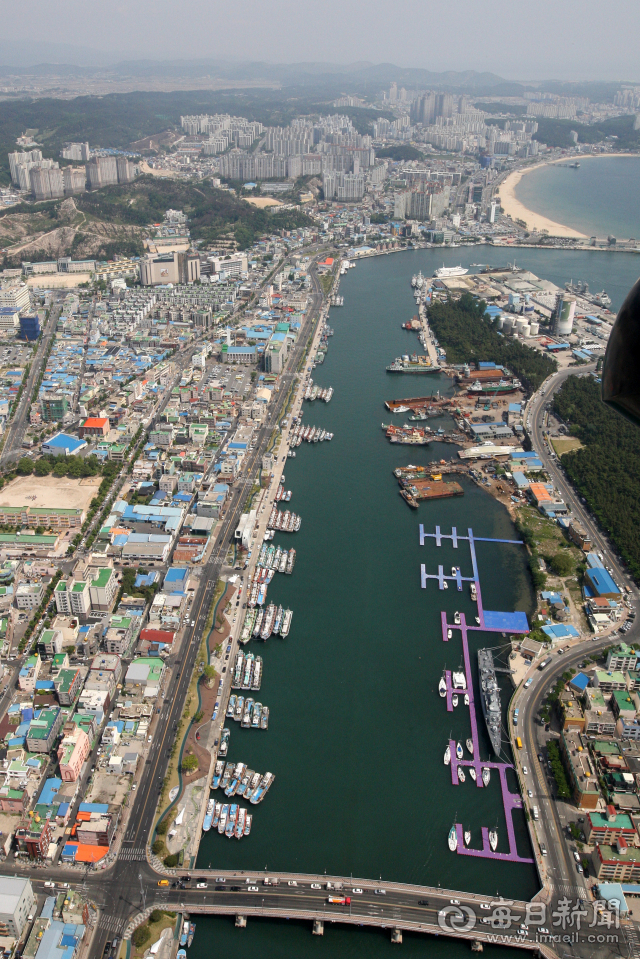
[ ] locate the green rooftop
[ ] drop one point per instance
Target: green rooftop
(103, 577)
(622, 821)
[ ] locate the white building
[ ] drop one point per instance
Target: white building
(17, 903)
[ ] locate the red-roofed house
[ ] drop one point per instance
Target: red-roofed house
(156, 635)
(94, 426)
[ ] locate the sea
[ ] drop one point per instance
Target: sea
(600, 198)
(357, 730)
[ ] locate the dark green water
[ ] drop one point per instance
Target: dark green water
(357, 730)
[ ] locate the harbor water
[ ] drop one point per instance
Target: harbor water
(357, 730)
(599, 198)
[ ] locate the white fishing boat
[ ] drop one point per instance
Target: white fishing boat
(453, 839)
(493, 839)
(447, 755)
(486, 775)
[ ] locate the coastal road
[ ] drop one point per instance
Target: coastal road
(535, 416)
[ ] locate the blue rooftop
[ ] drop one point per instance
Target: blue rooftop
(507, 622)
(601, 582)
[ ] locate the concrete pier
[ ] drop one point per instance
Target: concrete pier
(318, 927)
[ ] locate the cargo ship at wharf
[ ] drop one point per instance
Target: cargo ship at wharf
(414, 436)
(433, 405)
(413, 364)
(420, 484)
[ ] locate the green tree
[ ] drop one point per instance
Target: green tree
(24, 466)
(42, 467)
(162, 827)
(562, 564)
(189, 763)
(171, 861)
(141, 935)
(156, 915)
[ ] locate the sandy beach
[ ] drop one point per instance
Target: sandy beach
(535, 221)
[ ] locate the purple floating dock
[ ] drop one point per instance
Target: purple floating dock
(491, 622)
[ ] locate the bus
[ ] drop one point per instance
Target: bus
(340, 900)
(518, 742)
(545, 662)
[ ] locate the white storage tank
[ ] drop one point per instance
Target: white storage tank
(534, 328)
(500, 321)
(522, 328)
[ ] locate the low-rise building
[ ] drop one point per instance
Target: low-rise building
(607, 681)
(68, 684)
(617, 863)
(17, 903)
(605, 829)
(43, 729)
(582, 775)
(621, 658)
(73, 753)
(29, 674)
(29, 595)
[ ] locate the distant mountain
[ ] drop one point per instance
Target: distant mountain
(58, 59)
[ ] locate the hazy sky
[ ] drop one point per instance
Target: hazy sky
(519, 39)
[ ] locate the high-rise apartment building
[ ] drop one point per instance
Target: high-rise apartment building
(74, 179)
(102, 171)
(46, 183)
(76, 151)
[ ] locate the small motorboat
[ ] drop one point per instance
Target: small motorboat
(466, 699)
(453, 838)
(442, 687)
(477, 620)
(461, 775)
(459, 752)
(472, 773)
(469, 745)
(486, 775)
(447, 755)
(467, 838)
(454, 700)
(449, 634)
(493, 839)
(456, 618)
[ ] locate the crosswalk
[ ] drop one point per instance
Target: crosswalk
(631, 936)
(135, 855)
(566, 889)
(110, 924)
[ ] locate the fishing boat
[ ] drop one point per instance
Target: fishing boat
(208, 817)
(459, 752)
(232, 705)
(256, 679)
(474, 592)
(447, 755)
(217, 774)
(264, 719)
(224, 743)
(181, 954)
(222, 825)
(246, 716)
(231, 821)
(453, 838)
(192, 932)
(255, 715)
(486, 775)
(239, 709)
(184, 932)
(469, 745)
(286, 622)
(467, 838)
(472, 773)
(461, 775)
(493, 839)
(454, 699)
(247, 823)
(239, 830)
(216, 815)
(442, 687)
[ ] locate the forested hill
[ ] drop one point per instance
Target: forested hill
(468, 335)
(211, 212)
(606, 471)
